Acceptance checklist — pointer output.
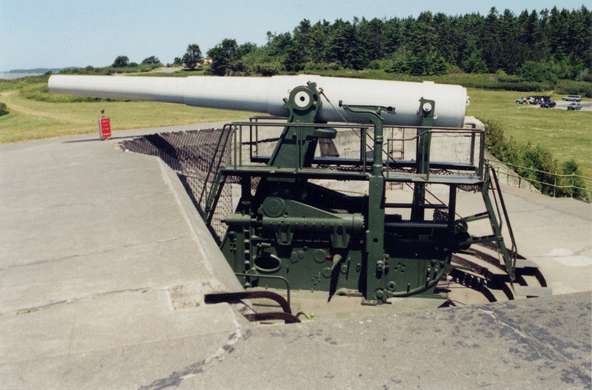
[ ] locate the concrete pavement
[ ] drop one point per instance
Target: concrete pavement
(104, 263)
(102, 271)
(540, 343)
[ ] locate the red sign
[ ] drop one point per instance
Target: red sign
(105, 128)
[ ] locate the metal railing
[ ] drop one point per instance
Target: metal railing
(251, 139)
(556, 187)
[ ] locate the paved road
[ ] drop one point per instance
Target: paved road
(562, 105)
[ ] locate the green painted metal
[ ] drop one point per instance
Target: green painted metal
(495, 220)
(426, 111)
(376, 261)
(320, 239)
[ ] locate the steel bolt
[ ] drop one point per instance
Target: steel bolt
(380, 294)
(380, 266)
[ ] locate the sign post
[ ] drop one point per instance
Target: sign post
(104, 126)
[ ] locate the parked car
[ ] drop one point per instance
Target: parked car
(549, 103)
(572, 98)
(521, 100)
(574, 106)
(537, 99)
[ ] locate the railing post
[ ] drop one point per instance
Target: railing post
(363, 147)
(555, 186)
(472, 157)
(240, 145)
(481, 154)
(234, 154)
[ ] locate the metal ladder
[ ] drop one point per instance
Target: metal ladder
(497, 214)
(509, 256)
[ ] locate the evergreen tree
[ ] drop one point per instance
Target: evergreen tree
(490, 40)
(295, 58)
(224, 57)
(392, 36)
(152, 60)
(319, 41)
(302, 41)
(371, 33)
(246, 48)
(192, 56)
(345, 48)
(121, 62)
(511, 51)
(556, 43)
(473, 60)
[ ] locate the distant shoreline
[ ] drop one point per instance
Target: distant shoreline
(18, 75)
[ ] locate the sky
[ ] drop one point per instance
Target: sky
(59, 33)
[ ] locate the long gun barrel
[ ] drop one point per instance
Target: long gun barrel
(267, 94)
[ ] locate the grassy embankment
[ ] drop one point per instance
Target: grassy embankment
(36, 114)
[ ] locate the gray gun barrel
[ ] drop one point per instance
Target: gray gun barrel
(266, 94)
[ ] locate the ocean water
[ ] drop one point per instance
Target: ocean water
(12, 76)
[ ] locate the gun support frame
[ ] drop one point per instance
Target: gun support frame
(321, 239)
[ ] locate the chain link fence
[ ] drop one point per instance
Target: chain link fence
(196, 156)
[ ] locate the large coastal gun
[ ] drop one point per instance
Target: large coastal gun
(288, 226)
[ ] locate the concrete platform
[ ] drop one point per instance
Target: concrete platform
(555, 233)
(104, 263)
(540, 343)
(102, 269)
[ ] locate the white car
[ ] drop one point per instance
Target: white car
(573, 106)
(572, 98)
(521, 100)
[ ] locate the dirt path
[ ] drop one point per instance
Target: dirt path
(9, 98)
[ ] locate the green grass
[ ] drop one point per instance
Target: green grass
(469, 80)
(181, 73)
(567, 134)
(35, 114)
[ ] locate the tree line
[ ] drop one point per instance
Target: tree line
(547, 44)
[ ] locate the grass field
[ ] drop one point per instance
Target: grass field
(35, 114)
(31, 118)
(567, 134)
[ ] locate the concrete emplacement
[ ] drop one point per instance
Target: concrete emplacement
(104, 263)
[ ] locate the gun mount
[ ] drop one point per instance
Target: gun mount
(288, 227)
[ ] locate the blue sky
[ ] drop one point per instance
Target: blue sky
(77, 33)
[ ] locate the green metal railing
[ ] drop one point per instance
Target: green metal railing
(556, 187)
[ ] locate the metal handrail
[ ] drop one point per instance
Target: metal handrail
(349, 125)
(265, 121)
(550, 173)
(505, 215)
(571, 187)
(509, 173)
